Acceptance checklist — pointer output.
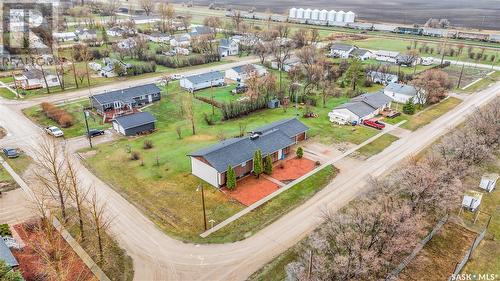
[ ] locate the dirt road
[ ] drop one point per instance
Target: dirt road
(159, 257)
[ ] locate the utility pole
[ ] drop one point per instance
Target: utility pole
(460, 77)
(203, 204)
(309, 270)
(85, 115)
(443, 50)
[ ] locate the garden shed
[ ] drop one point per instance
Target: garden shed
(489, 181)
(472, 200)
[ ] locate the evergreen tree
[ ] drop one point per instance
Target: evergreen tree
(105, 38)
(7, 274)
(230, 178)
(409, 107)
(268, 165)
(300, 152)
(257, 163)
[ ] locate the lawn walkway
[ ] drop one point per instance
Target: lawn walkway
(293, 183)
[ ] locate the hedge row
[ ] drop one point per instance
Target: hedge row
(61, 116)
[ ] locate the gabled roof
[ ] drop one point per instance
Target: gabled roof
(85, 30)
(360, 52)
(126, 94)
(380, 74)
(6, 255)
(235, 151)
(34, 73)
(360, 109)
(135, 120)
(205, 77)
(365, 104)
(375, 100)
(402, 89)
(342, 47)
(225, 43)
(201, 30)
(386, 53)
(159, 35)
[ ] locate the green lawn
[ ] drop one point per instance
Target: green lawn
(377, 145)
(5, 178)
(76, 110)
(483, 83)
(426, 115)
(220, 94)
(5, 93)
(167, 192)
(7, 79)
(274, 209)
(398, 45)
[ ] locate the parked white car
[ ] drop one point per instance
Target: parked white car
(54, 131)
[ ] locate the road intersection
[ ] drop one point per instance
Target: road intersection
(159, 257)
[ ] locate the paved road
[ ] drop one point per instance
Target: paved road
(159, 257)
(127, 82)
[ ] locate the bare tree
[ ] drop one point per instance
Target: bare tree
(432, 84)
(215, 23)
(100, 222)
(50, 172)
(187, 108)
(167, 14)
(237, 20)
(262, 51)
(147, 6)
(77, 194)
(186, 22)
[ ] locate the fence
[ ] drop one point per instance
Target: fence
(394, 274)
(460, 265)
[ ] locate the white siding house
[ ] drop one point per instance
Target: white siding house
(242, 72)
(403, 93)
(360, 108)
(228, 47)
(205, 171)
(202, 81)
(33, 79)
(341, 50)
(387, 56)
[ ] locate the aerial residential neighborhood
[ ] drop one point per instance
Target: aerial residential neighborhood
(345, 140)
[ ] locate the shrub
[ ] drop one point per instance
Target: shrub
(231, 178)
(268, 165)
(257, 163)
(409, 107)
(135, 155)
(65, 120)
(59, 115)
(5, 230)
(208, 119)
(148, 144)
(300, 152)
(317, 163)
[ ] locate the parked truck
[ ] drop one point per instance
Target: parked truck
(374, 124)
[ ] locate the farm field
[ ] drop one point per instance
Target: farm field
(164, 170)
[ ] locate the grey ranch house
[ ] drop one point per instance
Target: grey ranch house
(125, 99)
(276, 139)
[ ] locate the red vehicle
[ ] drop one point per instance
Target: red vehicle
(374, 124)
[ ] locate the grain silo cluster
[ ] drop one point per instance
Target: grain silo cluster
(325, 16)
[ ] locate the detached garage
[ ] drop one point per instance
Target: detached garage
(133, 124)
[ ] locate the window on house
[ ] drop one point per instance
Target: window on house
(244, 164)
